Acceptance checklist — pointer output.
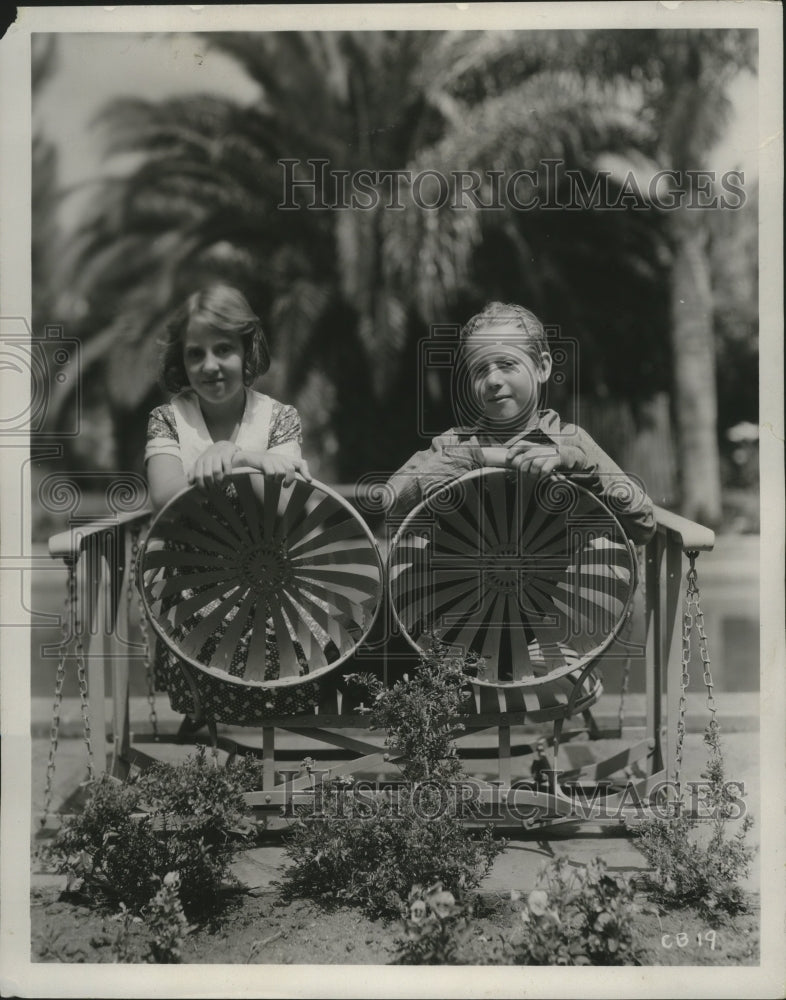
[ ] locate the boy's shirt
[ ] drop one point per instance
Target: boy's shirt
(457, 451)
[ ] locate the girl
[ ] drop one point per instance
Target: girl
(215, 422)
(505, 364)
(214, 350)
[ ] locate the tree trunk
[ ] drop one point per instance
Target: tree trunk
(693, 352)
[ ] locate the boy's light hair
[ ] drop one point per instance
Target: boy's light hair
(533, 336)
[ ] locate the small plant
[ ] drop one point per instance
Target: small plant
(686, 872)
(126, 946)
(186, 818)
(422, 715)
(369, 850)
(579, 917)
(167, 922)
(435, 927)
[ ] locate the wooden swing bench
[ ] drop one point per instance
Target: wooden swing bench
(269, 595)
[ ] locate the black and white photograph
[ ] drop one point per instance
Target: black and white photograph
(392, 522)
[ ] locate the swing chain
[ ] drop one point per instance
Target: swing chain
(713, 725)
(69, 629)
(59, 680)
(692, 617)
(151, 694)
(81, 674)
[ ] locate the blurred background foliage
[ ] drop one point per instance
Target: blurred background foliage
(663, 304)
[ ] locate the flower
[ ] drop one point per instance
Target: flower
(442, 903)
(417, 912)
(172, 878)
(538, 902)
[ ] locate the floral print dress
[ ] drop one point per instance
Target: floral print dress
(178, 429)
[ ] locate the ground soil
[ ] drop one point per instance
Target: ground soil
(262, 928)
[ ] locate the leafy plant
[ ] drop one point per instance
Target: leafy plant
(370, 850)
(579, 917)
(435, 927)
(167, 922)
(186, 818)
(370, 853)
(686, 872)
(422, 714)
(127, 940)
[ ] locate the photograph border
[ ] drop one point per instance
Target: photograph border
(21, 977)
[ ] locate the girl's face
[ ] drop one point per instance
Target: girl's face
(213, 363)
(505, 378)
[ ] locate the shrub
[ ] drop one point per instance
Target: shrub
(421, 715)
(186, 818)
(686, 872)
(371, 851)
(579, 917)
(370, 854)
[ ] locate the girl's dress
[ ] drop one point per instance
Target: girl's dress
(179, 429)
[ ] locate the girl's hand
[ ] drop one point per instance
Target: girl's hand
(532, 459)
(213, 464)
(278, 466)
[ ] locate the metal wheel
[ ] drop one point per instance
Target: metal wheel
(536, 579)
(260, 584)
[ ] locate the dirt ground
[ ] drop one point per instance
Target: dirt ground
(261, 928)
(258, 927)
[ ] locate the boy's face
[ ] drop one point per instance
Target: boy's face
(505, 378)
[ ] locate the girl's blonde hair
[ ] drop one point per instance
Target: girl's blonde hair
(225, 310)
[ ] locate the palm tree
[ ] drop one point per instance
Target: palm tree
(684, 76)
(699, 68)
(346, 293)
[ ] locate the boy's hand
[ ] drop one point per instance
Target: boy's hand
(213, 464)
(532, 459)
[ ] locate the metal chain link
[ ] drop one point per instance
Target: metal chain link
(136, 532)
(687, 628)
(81, 674)
(713, 725)
(693, 617)
(54, 729)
